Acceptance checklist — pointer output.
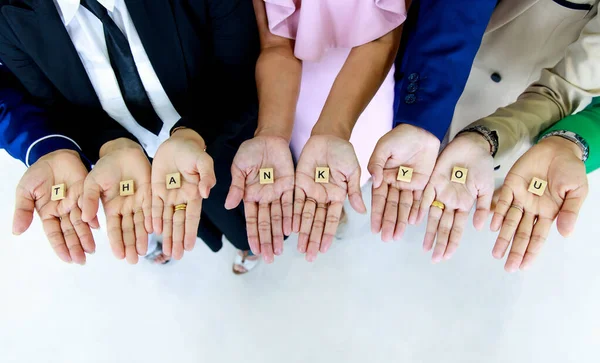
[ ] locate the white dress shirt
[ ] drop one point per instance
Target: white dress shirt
(87, 34)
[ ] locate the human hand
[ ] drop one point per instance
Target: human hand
(69, 236)
(526, 218)
(318, 206)
(128, 218)
(184, 153)
(471, 151)
(396, 203)
(268, 207)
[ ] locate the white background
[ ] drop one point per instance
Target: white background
(364, 301)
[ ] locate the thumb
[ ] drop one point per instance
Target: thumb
(237, 188)
(24, 207)
(206, 170)
(355, 193)
(375, 167)
(567, 216)
(89, 200)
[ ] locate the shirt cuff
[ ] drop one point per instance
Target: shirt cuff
(51, 143)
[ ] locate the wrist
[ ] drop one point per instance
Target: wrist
(118, 144)
(340, 130)
(189, 134)
(560, 143)
(273, 132)
(477, 139)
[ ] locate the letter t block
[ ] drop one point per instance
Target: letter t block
(58, 192)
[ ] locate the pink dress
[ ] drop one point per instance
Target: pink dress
(325, 31)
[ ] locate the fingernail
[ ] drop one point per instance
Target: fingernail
(278, 251)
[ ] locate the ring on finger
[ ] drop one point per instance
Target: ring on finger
(438, 204)
(518, 207)
(181, 206)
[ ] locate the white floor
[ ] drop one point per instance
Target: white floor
(365, 301)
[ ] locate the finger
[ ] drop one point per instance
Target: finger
(378, 202)
(178, 233)
(84, 233)
(264, 232)
(206, 169)
(251, 212)
(443, 234)
(72, 240)
(115, 236)
(236, 190)
(458, 227)
(390, 214)
(520, 243)
(55, 236)
(287, 206)
(24, 207)
(158, 209)
(316, 234)
(404, 207)
(167, 230)
(376, 166)
(538, 238)
(569, 211)
(141, 235)
(277, 227)
(433, 222)
(193, 213)
(332, 221)
(509, 226)
(147, 212)
(299, 197)
(482, 211)
(89, 201)
(128, 228)
(505, 200)
(416, 204)
(308, 215)
(94, 223)
(426, 200)
(355, 193)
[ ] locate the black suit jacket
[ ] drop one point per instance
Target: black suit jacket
(203, 51)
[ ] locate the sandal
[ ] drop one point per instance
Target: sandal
(152, 256)
(244, 262)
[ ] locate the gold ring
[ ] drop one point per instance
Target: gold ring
(518, 207)
(438, 204)
(182, 206)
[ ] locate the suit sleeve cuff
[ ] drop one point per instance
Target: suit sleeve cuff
(51, 143)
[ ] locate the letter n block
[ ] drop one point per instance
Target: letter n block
(322, 175)
(58, 192)
(405, 174)
(266, 176)
(126, 188)
(173, 181)
(459, 175)
(538, 186)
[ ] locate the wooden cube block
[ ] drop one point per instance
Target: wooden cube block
(405, 174)
(126, 188)
(322, 175)
(266, 176)
(173, 181)
(538, 186)
(459, 175)
(58, 192)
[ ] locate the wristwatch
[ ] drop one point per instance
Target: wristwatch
(490, 135)
(571, 136)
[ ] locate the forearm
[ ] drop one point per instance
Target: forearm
(357, 83)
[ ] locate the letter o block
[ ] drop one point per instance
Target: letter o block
(126, 188)
(405, 174)
(173, 181)
(538, 186)
(266, 176)
(322, 175)
(459, 175)
(58, 192)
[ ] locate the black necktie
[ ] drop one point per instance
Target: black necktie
(123, 64)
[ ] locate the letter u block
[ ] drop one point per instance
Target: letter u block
(538, 186)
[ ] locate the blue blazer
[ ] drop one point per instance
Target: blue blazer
(25, 132)
(439, 43)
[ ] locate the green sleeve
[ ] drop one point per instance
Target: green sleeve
(586, 124)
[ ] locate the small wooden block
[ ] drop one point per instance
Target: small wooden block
(322, 175)
(538, 186)
(266, 175)
(173, 181)
(126, 188)
(459, 175)
(405, 174)
(58, 192)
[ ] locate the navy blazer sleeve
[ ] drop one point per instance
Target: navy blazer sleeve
(25, 132)
(440, 41)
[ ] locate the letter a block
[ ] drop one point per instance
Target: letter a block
(459, 175)
(266, 176)
(538, 186)
(405, 174)
(126, 188)
(322, 175)
(58, 192)
(173, 181)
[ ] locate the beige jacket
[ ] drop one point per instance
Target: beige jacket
(553, 43)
